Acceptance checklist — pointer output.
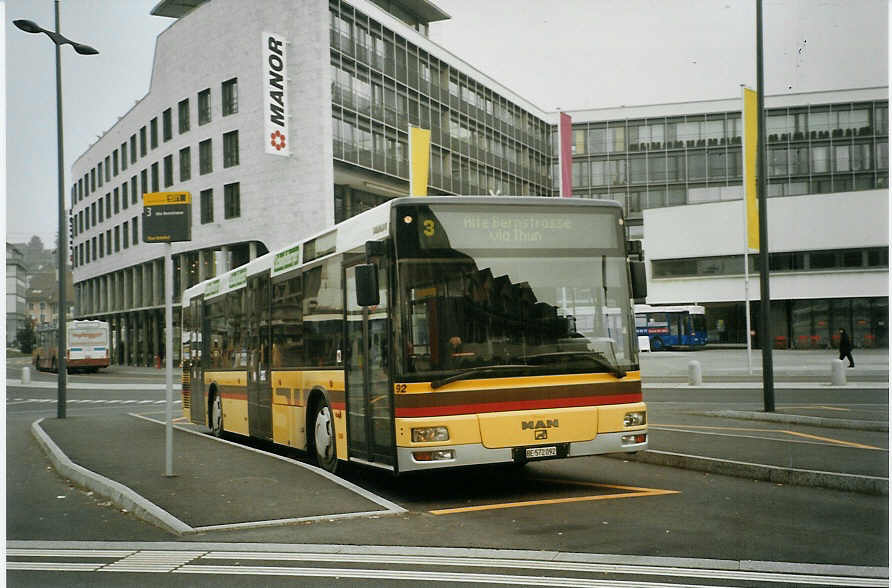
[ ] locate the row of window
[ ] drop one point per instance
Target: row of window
(796, 261)
(303, 332)
(356, 38)
(715, 164)
(150, 180)
(450, 129)
(838, 121)
(117, 161)
(106, 243)
(122, 236)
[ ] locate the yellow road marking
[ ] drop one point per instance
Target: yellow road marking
(634, 493)
(821, 406)
(793, 433)
(837, 441)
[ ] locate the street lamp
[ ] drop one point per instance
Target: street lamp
(61, 363)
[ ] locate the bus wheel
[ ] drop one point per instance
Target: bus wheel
(323, 438)
(217, 416)
(656, 344)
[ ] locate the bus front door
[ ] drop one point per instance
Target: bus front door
(369, 401)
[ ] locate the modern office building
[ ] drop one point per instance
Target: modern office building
(286, 116)
(677, 170)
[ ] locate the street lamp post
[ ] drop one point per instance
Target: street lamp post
(61, 361)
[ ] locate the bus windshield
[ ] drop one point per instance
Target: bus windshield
(505, 290)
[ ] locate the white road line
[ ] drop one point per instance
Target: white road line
(185, 561)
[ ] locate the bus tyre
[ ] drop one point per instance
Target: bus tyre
(324, 450)
(656, 344)
(217, 415)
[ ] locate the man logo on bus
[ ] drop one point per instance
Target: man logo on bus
(540, 424)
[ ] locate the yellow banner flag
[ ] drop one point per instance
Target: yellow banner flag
(750, 142)
(419, 160)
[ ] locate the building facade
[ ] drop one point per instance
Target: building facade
(16, 286)
(341, 83)
(677, 170)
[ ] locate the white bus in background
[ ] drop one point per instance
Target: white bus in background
(87, 346)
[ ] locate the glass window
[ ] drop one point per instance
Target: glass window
(124, 155)
(716, 161)
(597, 140)
(124, 195)
(637, 169)
(117, 201)
(153, 132)
(185, 164)
(656, 167)
(155, 177)
(204, 106)
(125, 235)
(230, 149)
(820, 159)
(168, 171)
(696, 165)
(597, 173)
(841, 158)
(207, 206)
(205, 157)
(167, 124)
(322, 310)
(230, 96)
(134, 223)
(287, 324)
(143, 145)
(777, 161)
(231, 201)
(183, 112)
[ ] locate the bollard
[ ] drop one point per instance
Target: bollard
(695, 374)
(837, 372)
(26, 375)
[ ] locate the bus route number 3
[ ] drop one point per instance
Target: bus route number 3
(429, 228)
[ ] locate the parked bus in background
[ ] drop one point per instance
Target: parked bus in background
(671, 326)
(87, 349)
(428, 333)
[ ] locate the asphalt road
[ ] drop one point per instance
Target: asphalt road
(597, 506)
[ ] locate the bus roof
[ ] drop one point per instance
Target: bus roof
(370, 225)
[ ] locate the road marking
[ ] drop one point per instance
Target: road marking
(820, 406)
(179, 560)
(632, 492)
(825, 440)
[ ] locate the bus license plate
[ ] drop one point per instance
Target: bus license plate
(533, 452)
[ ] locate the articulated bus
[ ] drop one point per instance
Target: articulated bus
(87, 346)
(428, 333)
(672, 326)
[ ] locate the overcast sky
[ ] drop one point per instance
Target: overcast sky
(569, 54)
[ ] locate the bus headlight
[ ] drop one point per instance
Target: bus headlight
(430, 434)
(634, 419)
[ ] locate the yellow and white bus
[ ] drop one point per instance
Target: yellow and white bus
(427, 333)
(87, 348)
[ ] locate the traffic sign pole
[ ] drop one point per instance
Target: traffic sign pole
(168, 359)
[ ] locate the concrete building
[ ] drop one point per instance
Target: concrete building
(16, 286)
(280, 126)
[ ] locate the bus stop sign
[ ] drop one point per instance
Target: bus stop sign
(166, 217)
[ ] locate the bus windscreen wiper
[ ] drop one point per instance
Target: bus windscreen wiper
(475, 371)
(596, 357)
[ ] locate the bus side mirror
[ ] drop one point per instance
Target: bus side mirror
(367, 285)
(639, 280)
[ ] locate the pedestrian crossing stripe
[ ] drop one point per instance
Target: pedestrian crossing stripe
(90, 401)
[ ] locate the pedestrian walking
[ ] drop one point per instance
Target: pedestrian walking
(845, 347)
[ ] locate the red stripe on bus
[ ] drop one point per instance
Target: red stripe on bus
(517, 405)
(235, 395)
